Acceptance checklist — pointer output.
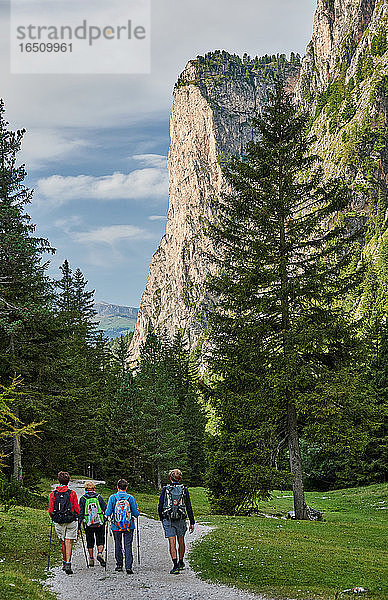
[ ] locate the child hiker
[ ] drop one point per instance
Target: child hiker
(92, 515)
(174, 507)
(64, 510)
(123, 509)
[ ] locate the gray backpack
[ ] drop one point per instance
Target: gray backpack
(174, 504)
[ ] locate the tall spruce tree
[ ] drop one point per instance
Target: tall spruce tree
(163, 440)
(275, 332)
(183, 375)
(25, 293)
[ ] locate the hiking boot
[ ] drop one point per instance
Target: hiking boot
(181, 565)
(91, 562)
(175, 570)
(118, 568)
(101, 560)
(64, 566)
(129, 572)
(68, 569)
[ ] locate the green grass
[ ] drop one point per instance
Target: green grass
(294, 559)
(24, 539)
(299, 559)
(275, 557)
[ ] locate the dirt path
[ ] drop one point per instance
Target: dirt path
(151, 579)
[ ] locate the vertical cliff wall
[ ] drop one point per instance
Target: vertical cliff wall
(343, 82)
(213, 103)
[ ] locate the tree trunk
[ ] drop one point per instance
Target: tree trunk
(17, 440)
(159, 476)
(17, 454)
(300, 506)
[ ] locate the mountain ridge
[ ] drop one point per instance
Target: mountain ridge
(115, 319)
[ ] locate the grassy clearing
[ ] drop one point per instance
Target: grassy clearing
(272, 556)
(295, 559)
(285, 558)
(24, 538)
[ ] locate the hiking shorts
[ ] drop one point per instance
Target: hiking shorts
(174, 528)
(66, 531)
(95, 534)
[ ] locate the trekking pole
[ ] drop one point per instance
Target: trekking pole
(138, 540)
(83, 543)
(51, 536)
(106, 541)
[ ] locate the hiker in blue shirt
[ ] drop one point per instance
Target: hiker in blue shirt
(123, 509)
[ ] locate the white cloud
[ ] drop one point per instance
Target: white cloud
(157, 161)
(157, 218)
(43, 146)
(111, 234)
(180, 31)
(149, 183)
(67, 223)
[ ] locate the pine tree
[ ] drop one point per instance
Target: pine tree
(65, 297)
(275, 331)
(185, 384)
(120, 351)
(123, 435)
(163, 443)
(25, 293)
(83, 300)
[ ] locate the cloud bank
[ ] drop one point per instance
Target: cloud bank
(111, 234)
(150, 182)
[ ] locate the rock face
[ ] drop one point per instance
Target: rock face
(343, 82)
(213, 103)
(339, 26)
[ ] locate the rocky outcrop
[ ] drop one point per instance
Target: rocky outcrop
(213, 104)
(343, 82)
(339, 27)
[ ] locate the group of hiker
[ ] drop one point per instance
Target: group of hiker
(92, 514)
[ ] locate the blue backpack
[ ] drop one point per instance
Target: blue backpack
(123, 514)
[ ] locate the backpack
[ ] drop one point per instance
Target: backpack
(123, 514)
(94, 515)
(174, 503)
(62, 513)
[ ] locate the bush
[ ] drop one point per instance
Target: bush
(14, 494)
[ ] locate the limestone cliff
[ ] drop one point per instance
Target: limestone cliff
(213, 103)
(338, 29)
(343, 82)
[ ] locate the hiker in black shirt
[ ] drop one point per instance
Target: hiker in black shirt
(95, 532)
(174, 506)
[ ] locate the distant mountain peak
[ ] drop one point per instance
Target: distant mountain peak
(107, 309)
(115, 319)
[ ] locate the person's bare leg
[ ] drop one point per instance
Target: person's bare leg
(181, 547)
(63, 550)
(172, 547)
(100, 549)
(69, 549)
(90, 550)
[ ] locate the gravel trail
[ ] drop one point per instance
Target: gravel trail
(151, 579)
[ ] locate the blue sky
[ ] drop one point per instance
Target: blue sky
(96, 145)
